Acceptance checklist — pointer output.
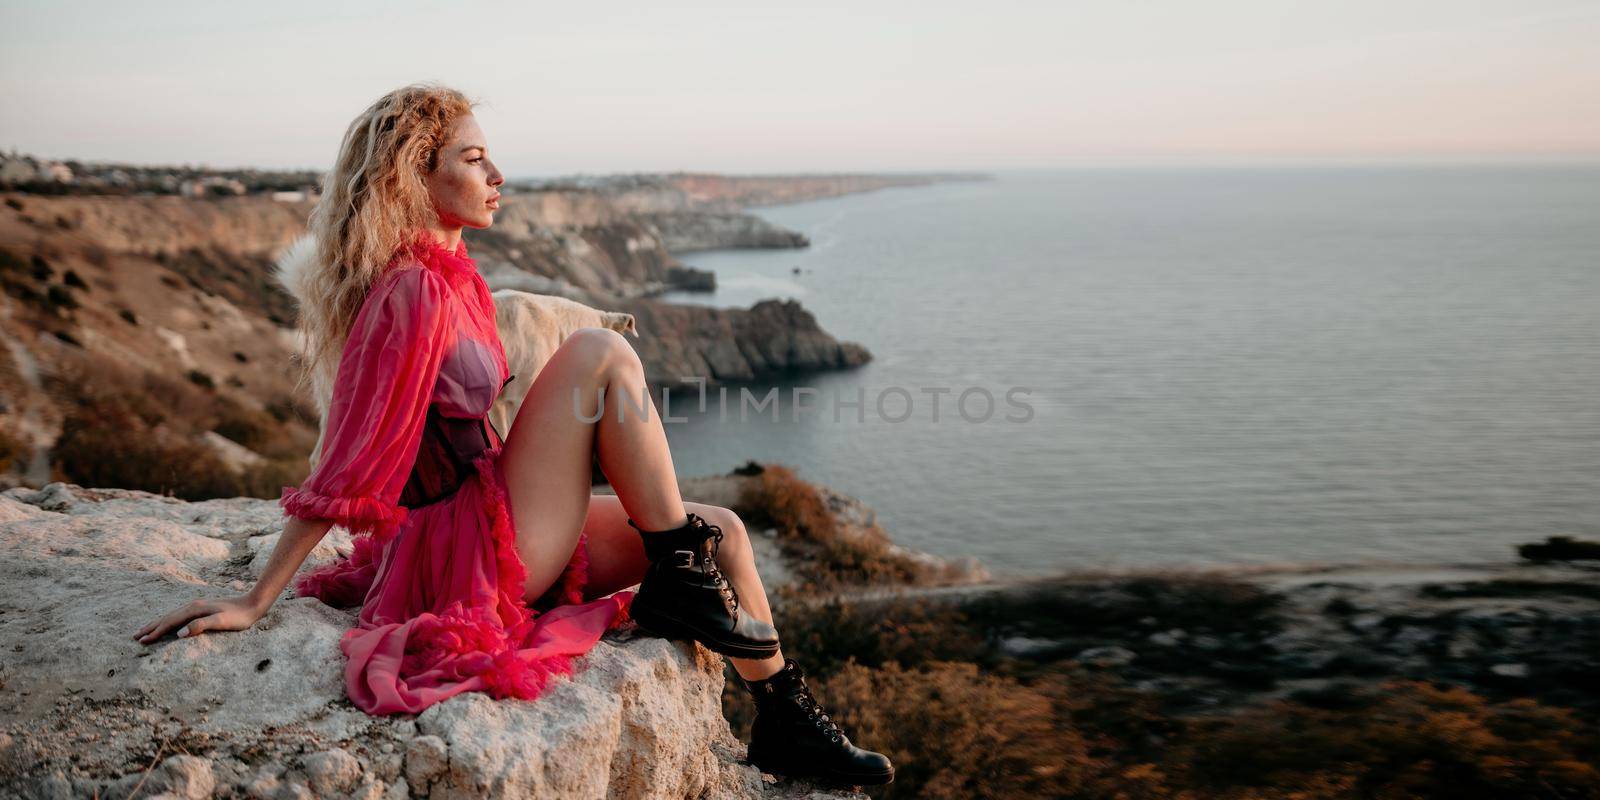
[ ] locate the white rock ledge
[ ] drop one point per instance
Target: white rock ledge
(86, 711)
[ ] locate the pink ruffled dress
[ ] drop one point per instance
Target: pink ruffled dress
(440, 585)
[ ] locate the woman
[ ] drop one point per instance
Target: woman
(482, 563)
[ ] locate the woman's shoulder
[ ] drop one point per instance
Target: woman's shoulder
(423, 271)
(413, 276)
(406, 286)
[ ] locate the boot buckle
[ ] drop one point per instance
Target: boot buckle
(685, 559)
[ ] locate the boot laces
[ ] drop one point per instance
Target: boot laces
(815, 714)
(708, 567)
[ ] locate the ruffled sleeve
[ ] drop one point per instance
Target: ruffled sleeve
(381, 391)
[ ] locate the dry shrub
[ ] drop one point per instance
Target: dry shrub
(105, 445)
(130, 429)
(1412, 739)
(1063, 606)
(12, 450)
(287, 408)
(260, 430)
(20, 278)
(909, 633)
(779, 497)
(889, 671)
(828, 554)
(267, 478)
(240, 278)
(954, 732)
(248, 427)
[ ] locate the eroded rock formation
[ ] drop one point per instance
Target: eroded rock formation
(86, 711)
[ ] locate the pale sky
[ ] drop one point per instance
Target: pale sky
(753, 87)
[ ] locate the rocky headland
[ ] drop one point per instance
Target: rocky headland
(686, 232)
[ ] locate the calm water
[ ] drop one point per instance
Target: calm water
(1255, 365)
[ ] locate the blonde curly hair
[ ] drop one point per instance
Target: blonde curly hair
(373, 200)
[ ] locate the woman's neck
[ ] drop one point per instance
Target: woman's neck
(448, 238)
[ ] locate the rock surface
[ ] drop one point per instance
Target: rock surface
(86, 711)
(771, 339)
(688, 232)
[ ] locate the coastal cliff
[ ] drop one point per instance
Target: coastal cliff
(144, 291)
(771, 338)
(689, 232)
(577, 240)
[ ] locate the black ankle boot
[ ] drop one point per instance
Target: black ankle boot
(685, 596)
(792, 735)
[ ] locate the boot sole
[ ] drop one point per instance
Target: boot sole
(672, 628)
(844, 778)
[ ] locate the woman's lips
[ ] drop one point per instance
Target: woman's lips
(493, 202)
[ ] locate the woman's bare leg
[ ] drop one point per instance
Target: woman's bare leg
(546, 459)
(617, 561)
(547, 454)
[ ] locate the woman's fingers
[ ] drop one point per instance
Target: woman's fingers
(201, 616)
(159, 628)
(200, 625)
(151, 625)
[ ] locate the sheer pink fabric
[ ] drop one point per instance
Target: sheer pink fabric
(440, 585)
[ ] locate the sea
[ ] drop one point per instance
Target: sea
(1122, 368)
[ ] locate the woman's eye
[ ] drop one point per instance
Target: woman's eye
(474, 160)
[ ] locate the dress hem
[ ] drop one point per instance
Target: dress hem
(497, 647)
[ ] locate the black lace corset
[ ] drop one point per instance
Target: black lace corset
(444, 458)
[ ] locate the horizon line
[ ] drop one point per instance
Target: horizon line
(1073, 164)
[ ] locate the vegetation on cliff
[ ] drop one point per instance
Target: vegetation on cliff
(1193, 685)
(128, 428)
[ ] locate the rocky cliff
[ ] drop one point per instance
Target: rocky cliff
(85, 711)
(180, 288)
(686, 232)
(771, 338)
(577, 239)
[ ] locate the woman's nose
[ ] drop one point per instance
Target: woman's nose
(495, 178)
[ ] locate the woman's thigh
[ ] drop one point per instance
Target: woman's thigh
(616, 553)
(546, 460)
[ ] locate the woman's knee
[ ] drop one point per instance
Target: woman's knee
(602, 346)
(735, 539)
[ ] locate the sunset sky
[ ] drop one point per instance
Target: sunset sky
(754, 87)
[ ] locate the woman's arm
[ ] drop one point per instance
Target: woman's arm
(299, 537)
(240, 612)
(373, 430)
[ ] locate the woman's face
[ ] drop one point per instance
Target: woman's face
(463, 182)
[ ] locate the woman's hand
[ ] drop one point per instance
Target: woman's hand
(239, 613)
(204, 616)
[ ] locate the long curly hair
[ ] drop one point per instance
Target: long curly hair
(373, 200)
